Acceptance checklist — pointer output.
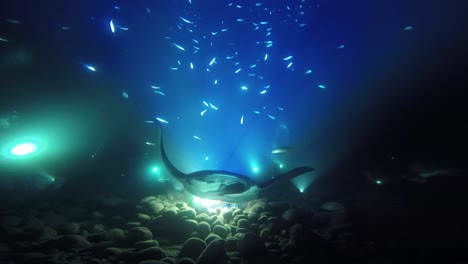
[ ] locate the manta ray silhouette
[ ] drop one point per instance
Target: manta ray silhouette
(222, 185)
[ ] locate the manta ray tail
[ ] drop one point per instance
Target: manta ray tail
(167, 163)
(287, 175)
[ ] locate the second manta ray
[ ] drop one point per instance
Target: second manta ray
(222, 185)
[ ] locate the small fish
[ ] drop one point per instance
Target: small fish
(215, 81)
(194, 40)
(125, 95)
(271, 117)
(186, 20)
(244, 88)
(173, 68)
(263, 92)
(224, 29)
(205, 103)
(155, 87)
(212, 61)
(281, 150)
(149, 121)
(66, 28)
(122, 28)
(266, 86)
(197, 137)
(408, 28)
(238, 70)
(213, 106)
(191, 66)
(13, 21)
(179, 47)
(321, 86)
(148, 10)
(149, 143)
(287, 58)
(240, 20)
(341, 46)
(289, 65)
(3, 39)
(263, 22)
(214, 33)
(161, 120)
(253, 66)
(203, 112)
(112, 27)
(242, 120)
(280, 108)
(159, 92)
(90, 67)
(308, 72)
(266, 57)
(256, 112)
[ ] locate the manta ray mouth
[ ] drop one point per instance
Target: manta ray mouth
(220, 183)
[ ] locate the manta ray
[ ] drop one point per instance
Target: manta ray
(222, 185)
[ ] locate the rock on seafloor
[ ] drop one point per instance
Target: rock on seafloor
(192, 248)
(214, 253)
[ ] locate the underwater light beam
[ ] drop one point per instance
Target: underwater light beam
(23, 149)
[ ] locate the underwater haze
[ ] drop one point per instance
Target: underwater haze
(332, 127)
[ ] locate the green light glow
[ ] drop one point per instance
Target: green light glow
(255, 169)
(302, 182)
(378, 182)
(23, 149)
(156, 174)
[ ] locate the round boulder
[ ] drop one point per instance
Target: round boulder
(139, 234)
(214, 253)
(203, 229)
(221, 231)
(192, 248)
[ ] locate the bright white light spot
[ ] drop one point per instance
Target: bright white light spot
(255, 169)
(90, 67)
(206, 158)
(111, 24)
(155, 169)
(206, 202)
(23, 149)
